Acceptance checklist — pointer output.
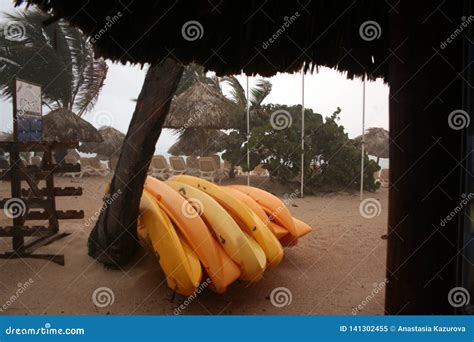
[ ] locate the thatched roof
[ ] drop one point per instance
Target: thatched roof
(65, 126)
(376, 142)
(197, 142)
(110, 147)
(230, 36)
(201, 105)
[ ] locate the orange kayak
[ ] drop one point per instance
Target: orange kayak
(272, 205)
(219, 266)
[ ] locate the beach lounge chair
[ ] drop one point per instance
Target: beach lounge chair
(91, 167)
(383, 178)
(178, 166)
(208, 170)
(259, 171)
(193, 166)
(159, 167)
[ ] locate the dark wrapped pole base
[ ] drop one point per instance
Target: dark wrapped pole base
(113, 241)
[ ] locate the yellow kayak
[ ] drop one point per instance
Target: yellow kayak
(249, 256)
(179, 263)
(276, 229)
(219, 266)
(241, 214)
(272, 205)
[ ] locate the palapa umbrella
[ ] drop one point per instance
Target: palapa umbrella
(65, 126)
(201, 105)
(376, 142)
(109, 147)
(197, 142)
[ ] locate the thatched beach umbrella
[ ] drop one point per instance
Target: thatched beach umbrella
(65, 126)
(201, 105)
(376, 142)
(197, 142)
(109, 147)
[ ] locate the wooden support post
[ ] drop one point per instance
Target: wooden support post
(113, 240)
(426, 84)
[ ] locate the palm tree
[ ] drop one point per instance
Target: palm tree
(235, 143)
(56, 56)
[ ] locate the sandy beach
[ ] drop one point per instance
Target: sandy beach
(334, 270)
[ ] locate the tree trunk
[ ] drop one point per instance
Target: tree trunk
(425, 158)
(114, 240)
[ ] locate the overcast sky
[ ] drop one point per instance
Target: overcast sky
(324, 92)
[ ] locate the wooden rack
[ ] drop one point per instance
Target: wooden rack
(34, 197)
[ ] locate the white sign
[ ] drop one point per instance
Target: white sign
(28, 99)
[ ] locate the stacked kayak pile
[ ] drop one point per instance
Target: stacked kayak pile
(227, 232)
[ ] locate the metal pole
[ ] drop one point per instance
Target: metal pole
(248, 132)
(362, 144)
(302, 134)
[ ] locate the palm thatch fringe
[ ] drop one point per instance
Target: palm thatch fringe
(65, 126)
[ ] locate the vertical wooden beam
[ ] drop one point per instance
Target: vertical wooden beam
(113, 240)
(425, 151)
